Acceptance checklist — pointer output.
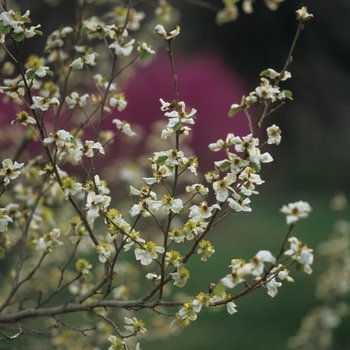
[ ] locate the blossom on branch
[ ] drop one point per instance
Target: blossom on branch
(148, 253)
(300, 252)
(274, 135)
(48, 241)
(74, 99)
(303, 15)
(62, 138)
(160, 30)
(296, 211)
(4, 220)
(10, 170)
(43, 103)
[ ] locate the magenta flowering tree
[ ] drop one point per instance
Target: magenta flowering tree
(80, 255)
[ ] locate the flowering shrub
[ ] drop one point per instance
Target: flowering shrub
(73, 245)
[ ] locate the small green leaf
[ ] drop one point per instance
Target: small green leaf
(256, 167)
(219, 289)
(85, 31)
(25, 19)
(88, 275)
(5, 29)
(30, 74)
(233, 111)
(225, 166)
(144, 55)
(162, 160)
(18, 36)
(177, 126)
(265, 73)
(288, 94)
(49, 72)
(38, 32)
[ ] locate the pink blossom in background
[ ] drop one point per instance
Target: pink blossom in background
(204, 83)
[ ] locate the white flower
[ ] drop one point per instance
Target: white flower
(23, 118)
(231, 140)
(274, 135)
(148, 254)
(14, 19)
(222, 187)
(134, 237)
(188, 311)
(17, 22)
(205, 249)
(272, 286)
(10, 170)
(176, 119)
(101, 185)
(161, 173)
(119, 101)
(36, 66)
(232, 279)
(198, 188)
(239, 204)
(256, 264)
(90, 147)
(124, 127)
(29, 33)
(99, 28)
(135, 325)
(267, 92)
(141, 208)
(160, 30)
(104, 252)
(168, 204)
(4, 220)
(300, 252)
(296, 211)
(43, 103)
(194, 228)
(75, 99)
(203, 211)
(165, 105)
(95, 203)
(13, 87)
(61, 138)
(88, 58)
(122, 49)
(169, 158)
(231, 307)
(151, 276)
(104, 82)
(234, 162)
(250, 175)
(302, 14)
(117, 343)
(71, 186)
(181, 276)
(236, 276)
(272, 74)
(48, 241)
(282, 273)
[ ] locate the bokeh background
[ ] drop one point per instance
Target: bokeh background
(215, 66)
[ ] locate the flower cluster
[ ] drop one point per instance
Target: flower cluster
(15, 23)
